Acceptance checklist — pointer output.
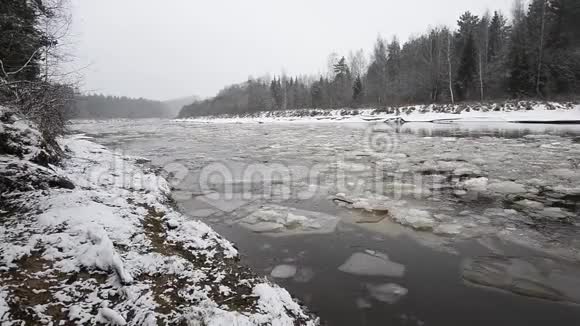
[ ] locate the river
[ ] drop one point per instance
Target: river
(370, 224)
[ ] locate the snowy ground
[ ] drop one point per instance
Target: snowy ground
(97, 240)
(530, 112)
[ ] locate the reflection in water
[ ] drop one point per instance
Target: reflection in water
(498, 192)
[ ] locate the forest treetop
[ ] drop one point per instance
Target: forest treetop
(534, 54)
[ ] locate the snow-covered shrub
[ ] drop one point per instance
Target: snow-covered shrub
(20, 138)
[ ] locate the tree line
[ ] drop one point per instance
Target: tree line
(112, 107)
(535, 54)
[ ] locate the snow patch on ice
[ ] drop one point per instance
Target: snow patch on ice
(417, 219)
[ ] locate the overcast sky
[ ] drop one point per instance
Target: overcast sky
(173, 48)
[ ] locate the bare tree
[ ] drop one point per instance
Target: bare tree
(481, 92)
(43, 98)
(358, 63)
(56, 54)
(541, 49)
(450, 67)
(483, 46)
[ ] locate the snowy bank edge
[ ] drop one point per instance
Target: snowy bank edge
(519, 112)
(93, 240)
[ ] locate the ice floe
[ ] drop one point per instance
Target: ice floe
(476, 184)
(448, 229)
(536, 277)
(507, 187)
(372, 263)
(281, 220)
(417, 219)
(284, 271)
(388, 293)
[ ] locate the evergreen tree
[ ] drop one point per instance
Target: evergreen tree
(393, 70)
(498, 37)
(357, 90)
(467, 70)
(468, 64)
(21, 39)
(561, 57)
(537, 20)
(488, 57)
(518, 61)
(497, 55)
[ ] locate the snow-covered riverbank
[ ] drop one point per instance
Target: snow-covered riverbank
(96, 239)
(523, 112)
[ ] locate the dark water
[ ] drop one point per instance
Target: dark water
(437, 295)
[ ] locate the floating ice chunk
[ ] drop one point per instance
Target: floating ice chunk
(476, 184)
(553, 213)
(533, 277)
(448, 229)
(389, 293)
(280, 220)
(526, 203)
(564, 173)
(415, 218)
(370, 206)
(295, 220)
(460, 193)
(507, 187)
(466, 170)
(371, 203)
(567, 191)
(111, 316)
(262, 227)
(428, 166)
(372, 263)
(284, 271)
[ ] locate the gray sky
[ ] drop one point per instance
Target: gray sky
(168, 49)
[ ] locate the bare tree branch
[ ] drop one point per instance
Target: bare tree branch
(24, 66)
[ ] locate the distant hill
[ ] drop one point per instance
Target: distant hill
(113, 107)
(175, 105)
